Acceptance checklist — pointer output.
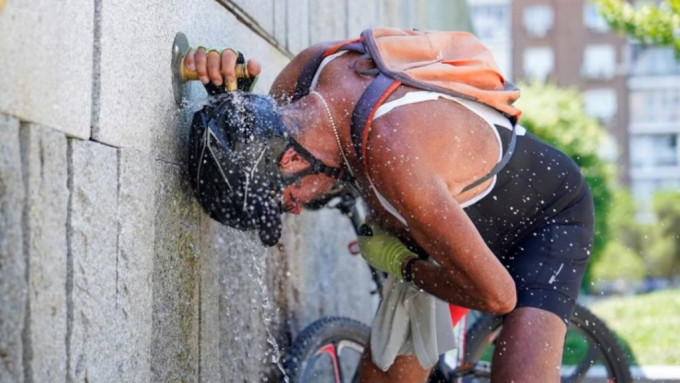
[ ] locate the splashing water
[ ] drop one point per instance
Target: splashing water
(266, 315)
(193, 104)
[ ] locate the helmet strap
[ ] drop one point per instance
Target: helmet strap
(316, 166)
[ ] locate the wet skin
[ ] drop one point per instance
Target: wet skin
(420, 158)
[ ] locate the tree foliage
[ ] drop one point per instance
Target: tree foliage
(648, 23)
(639, 250)
(621, 256)
(557, 116)
(618, 262)
(663, 251)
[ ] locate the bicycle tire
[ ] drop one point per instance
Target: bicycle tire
(599, 337)
(329, 336)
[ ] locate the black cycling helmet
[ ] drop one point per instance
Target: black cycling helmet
(236, 142)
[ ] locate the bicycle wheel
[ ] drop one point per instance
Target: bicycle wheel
(591, 352)
(328, 350)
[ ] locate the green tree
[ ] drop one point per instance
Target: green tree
(639, 249)
(621, 255)
(618, 262)
(557, 116)
(649, 23)
(663, 248)
(622, 223)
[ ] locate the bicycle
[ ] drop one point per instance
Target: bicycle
(329, 350)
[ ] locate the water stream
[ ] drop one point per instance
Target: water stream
(258, 268)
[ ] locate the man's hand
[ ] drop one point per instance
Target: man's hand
(383, 251)
(218, 68)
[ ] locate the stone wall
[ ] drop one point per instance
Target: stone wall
(109, 270)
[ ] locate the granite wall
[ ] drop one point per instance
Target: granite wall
(109, 270)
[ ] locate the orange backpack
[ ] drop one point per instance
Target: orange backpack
(452, 63)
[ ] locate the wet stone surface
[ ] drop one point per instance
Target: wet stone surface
(135, 255)
(12, 259)
(45, 167)
(45, 88)
(93, 240)
(175, 291)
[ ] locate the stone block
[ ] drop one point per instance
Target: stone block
(325, 279)
(46, 58)
(246, 308)
(175, 315)
(242, 300)
(134, 263)
(328, 21)
(298, 37)
(280, 31)
(136, 106)
(411, 14)
(211, 293)
(12, 258)
(390, 12)
(362, 15)
(93, 235)
(45, 167)
(260, 11)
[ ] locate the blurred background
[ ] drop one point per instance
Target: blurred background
(601, 80)
(109, 269)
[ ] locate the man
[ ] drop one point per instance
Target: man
(511, 239)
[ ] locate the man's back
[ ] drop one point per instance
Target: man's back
(517, 242)
(440, 138)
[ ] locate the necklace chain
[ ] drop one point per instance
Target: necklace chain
(335, 130)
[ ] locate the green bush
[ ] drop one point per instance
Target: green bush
(557, 116)
(618, 262)
(664, 250)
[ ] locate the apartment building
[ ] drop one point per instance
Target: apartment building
(567, 43)
(654, 86)
(491, 21)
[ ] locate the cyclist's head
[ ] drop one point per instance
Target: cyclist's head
(237, 144)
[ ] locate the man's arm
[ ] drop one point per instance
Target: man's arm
(468, 273)
(414, 174)
(217, 67)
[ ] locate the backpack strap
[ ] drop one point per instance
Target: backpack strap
(362, 117)
(317, 167)
(304, 83)
(374, 96)
(501, 164)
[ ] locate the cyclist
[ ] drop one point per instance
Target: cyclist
(515, 243)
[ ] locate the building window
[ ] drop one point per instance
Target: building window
(655, 105)
(654, 61)
(599, 62)
(592, 20)
(538, 63)
(601, 104)
(654, 150)
(503, 59)
(538, 20)
(491, 21)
